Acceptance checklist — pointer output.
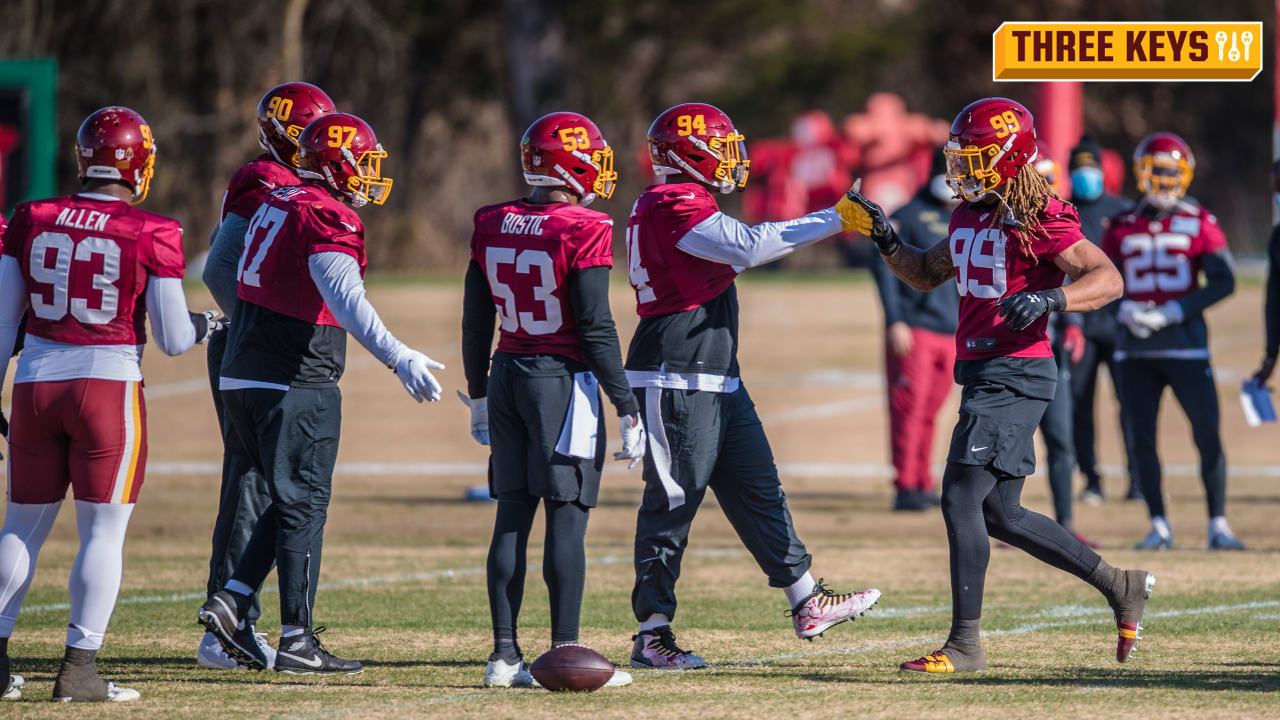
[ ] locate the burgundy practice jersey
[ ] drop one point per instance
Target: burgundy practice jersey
(292, 224)
(991, 263)
(527, 252)
(252, 183)
(1160, 257)
(86, 260)
(667, 279)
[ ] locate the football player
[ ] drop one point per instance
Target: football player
(300, 291)
(541, 265)
(1010, 244)
(682, 256)
(91, 267)
(1162, 245)
(282, 114)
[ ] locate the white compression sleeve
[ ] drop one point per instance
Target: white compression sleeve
(723, 239)
(337, 277)
(95, 578)
(171, 326)
(25, 529)
(13, 302)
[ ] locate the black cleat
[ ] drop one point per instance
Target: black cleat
(304, 655)
(219, 616)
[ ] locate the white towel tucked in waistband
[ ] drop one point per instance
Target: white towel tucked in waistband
(582, 422)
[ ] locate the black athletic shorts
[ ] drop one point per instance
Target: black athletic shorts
(527, 409)
(1000, 407)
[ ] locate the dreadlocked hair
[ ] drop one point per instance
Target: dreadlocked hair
(1024, 196)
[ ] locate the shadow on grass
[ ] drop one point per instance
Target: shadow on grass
(1205, 679)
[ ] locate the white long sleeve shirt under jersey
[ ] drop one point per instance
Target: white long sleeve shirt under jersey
(49, 361)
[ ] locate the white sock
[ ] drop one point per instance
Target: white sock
(25, 528)
(1160, 525)
(95, 578)
(1218, 525)
(236, 586)
(800, 589)
(655, 621)
(291, 630)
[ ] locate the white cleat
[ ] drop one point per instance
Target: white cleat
(14, 691)
(621, 678)
(500, 674)
(114, 694)
(212, 656)
(824, 609)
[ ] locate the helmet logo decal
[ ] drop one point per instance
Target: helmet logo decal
(575, 138)
(686, 125)
(279, 108)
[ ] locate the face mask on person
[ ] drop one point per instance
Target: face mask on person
(1086, 183)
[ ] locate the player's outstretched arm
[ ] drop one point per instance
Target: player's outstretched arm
(724, 239)
(1095, 280)
(337, 277)
(922, 270)
(589, 291)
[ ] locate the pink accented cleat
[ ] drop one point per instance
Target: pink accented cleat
(657, 649)
(824, 609)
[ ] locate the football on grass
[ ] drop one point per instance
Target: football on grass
(575, 668)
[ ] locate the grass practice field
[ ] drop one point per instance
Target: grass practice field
(404, 556)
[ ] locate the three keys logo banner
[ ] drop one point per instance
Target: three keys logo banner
(1127, 51)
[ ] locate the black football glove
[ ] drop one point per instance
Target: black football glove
(4, 429)
(1023, 308)
(859, 214)
(205, 324)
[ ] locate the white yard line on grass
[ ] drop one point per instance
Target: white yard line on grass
(642, 676)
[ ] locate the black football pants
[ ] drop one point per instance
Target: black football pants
(1193, 387)
(243, 497)
(979, 501)
(697, 440)
(292, 439)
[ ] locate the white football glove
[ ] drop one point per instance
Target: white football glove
(414, 370)
(1161, 317)
(633, 437)
(479, 417)
(1128, 315)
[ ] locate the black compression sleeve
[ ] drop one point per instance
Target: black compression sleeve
(1220, 281)
(1273, 294)
(477, 331)
(589, 292)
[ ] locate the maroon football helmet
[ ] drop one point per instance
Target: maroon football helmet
(340, 150)
(115, 143)
(567, 149)
(991, 140)
(282, 114)
(1163, 166)
(700, 141)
